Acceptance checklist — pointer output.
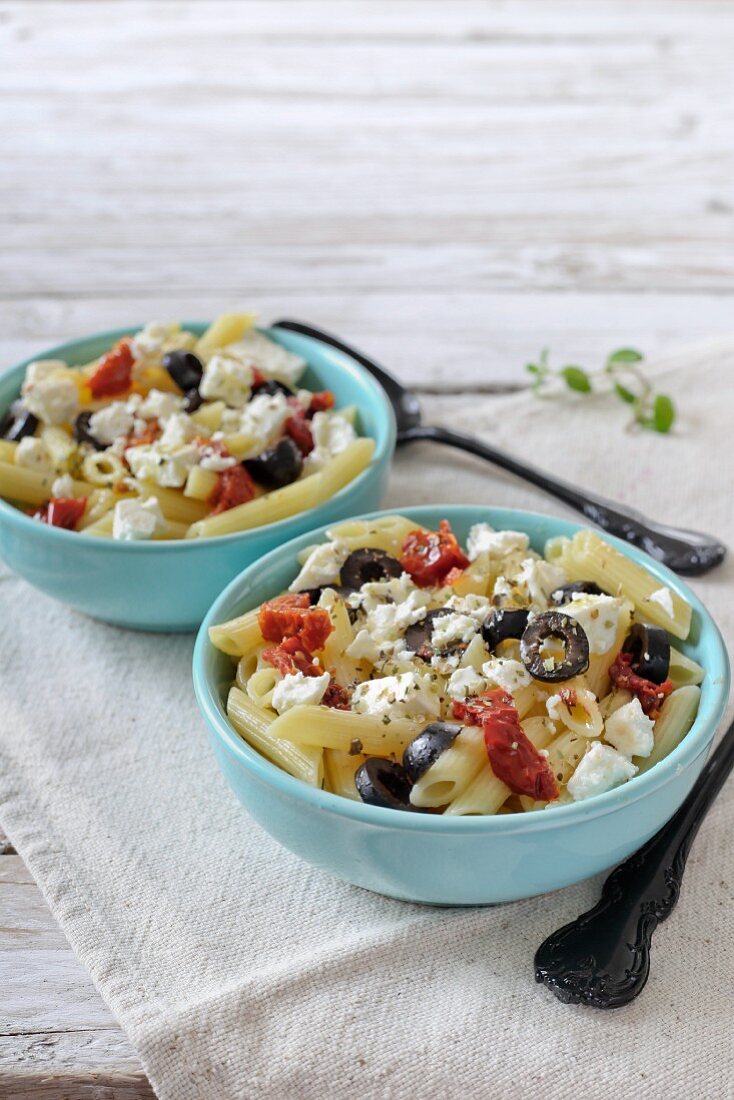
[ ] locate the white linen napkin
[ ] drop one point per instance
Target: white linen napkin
(237, 970)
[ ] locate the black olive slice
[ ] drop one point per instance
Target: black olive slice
(418, 635)
(83, 433)
(368, 565)
(271, 387)
(650, 651)
(18, 422)
(503, 623)
(184, 368)
(575, 588)
(553, 625)
(278, 466)
(424, 750)
(192, 400)
(382, 782)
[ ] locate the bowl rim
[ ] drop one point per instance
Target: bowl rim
(384, 438)
(696, 741)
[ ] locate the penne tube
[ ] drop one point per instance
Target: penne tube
(683, 670)
(237, 637)
(25, 486)
(334, 655)
(297, 497)
(173, 504)
(200, 484)
(7, 450)
(454, 770)
(209, 415)
(261, 685)
(339, 771)
(344, 467)
(677, 715)
(225, 329)
(486, 793)
(344, 729)
(386, 533)
(254, 725)
(475, 578)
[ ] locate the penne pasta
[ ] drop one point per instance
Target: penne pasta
(238, 637)
(486, 793)
(298, 497)
(343, 729)
(453, 771)
(677, 715)
(339, 771)
(255, 726)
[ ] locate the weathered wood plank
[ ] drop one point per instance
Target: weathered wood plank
(13, 871)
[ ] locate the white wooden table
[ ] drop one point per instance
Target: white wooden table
(451, 185)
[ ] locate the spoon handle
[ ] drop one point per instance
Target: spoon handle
(602, 959)
(684, 551)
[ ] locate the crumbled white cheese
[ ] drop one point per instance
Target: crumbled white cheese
(601, 769)
(322, 566)
(578, 711)
(40, 369)
(272, 359)
(63, 487)
(482, 538)
(111, 422)
(156, 338)
(537, 579)
(53, 400)
(137, 519)
(452, 629)
(263, 419)
(599, 618)
(407, 695)
(364, 647)
(296, 690)
(156, 403)
(332, 434)
(630, 730)
(501, 591)
(478, 607)
(229, 378)
(392, 590)
(465, 682)
(664, 598)
(180, 429)
(211, 459)
(167, 469)
(32, 454)
(505, 673)
(387, 621)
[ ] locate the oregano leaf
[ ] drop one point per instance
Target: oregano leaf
(576, 379)
(663, 413)
(624, 394)
(624, 355)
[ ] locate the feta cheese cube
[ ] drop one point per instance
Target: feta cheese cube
(111, 422)
(167, 469)
(537, 579)
(156, 403)
(483, 538)
(156, 338)
(229, 378)
(505, 673)
(296, 690)
(407, 695)
(32, 454)
(599, 770)
(332, 434)
(630, 730)
(137, 519)
(599, 618)
(40, 369)
(364, 647)
(322, 566)
(478, 607)
(453, 629)
(209, 459)
(53, 400)
(179, 430)
(465, 682)
(263, 419)
(63, 487)
(272, 359)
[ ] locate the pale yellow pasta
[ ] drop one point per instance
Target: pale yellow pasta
(209, 415)
(349, 412)
(683, 670)
(597, 674)
(237, 637)
(7, 450)
(565, 752)
(344, 467)
(104, 468)
(255, 726)
(578, 710)
(486, 793)
(173, 504)
(261, 685)
(99, 503)
(201, 483)
(173, 531)
(241, 445)
(246, 666)
(454, 770)
(344, 729)
(476, 578)
(24, 486)
(613, 701)
(269, 508)
(588, 557)
(335, 659)
(101, 528)
(475, 654)
(677, 715)
(339, 771)
(59, 445)
(384, 533)
(225, 329)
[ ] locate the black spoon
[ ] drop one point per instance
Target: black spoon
(684, 551)
(602, 959)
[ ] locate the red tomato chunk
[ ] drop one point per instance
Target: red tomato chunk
(433, 557)
(651, 695)
(293, 617)
(322, 401)
(234, 486)
(63, 512)
(512, 755)
(300, 432)
(290, 657)
(113, 376)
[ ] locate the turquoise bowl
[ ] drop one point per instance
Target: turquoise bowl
(170, 585)
(454, 861)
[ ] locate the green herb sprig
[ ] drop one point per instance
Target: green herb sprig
(650, 409)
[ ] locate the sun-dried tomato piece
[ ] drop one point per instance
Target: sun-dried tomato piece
(432, 556)
(113, 375)
(321, 401)
(149, 435)
(62, 512)
(300, 432)
(512, 755)
(651, 695)
(336, 696)
(234, 486)
(290, 657)
(285, 618)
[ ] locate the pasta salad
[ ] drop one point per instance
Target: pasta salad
(169, 435)
(410, 672)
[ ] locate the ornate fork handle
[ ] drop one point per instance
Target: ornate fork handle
(602, 959)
